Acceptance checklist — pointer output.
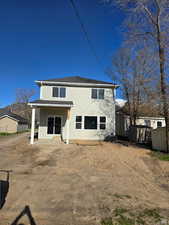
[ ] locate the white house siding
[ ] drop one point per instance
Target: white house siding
(83, 105)
(44, 114)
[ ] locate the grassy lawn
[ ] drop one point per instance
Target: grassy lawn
(160, 155)
(8, 134)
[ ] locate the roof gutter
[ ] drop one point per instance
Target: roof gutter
(49, 105)
(76, 84)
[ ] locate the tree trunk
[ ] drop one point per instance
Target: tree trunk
(162, 84)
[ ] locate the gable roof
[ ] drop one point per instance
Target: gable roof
(76, 80)
(13, 116)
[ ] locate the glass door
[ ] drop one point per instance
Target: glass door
(54, 125)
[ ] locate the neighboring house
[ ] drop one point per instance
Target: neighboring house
(12, 123)
(123, 123)
(75, 108)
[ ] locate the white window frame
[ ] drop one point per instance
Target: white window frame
(59, 88)
(51, 135)
(79, 122)
(105, 123)
(97, 93)
(98, 122)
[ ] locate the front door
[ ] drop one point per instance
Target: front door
(54, 125)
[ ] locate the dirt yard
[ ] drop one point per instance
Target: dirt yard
(82, 185)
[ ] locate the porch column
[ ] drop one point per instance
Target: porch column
(32, 126)
(68, 126)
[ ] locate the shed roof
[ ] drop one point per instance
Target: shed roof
(14, 116)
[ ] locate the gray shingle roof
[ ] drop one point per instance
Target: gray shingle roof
(15, 116)
(52, 102)
(78, 79)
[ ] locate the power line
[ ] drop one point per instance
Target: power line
(84, 30)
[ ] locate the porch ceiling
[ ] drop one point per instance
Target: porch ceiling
(49, 103)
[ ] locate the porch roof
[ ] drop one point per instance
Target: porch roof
(49, 103)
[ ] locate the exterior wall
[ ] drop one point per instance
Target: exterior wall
(8, 125)
(123, 123)
(83, 105)
(153, 121)
(44, 114)
(159, 139)
(22, 127)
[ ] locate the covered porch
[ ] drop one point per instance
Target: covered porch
(54, 120)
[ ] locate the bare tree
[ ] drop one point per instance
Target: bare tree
(135, 73)
(148, 21)
(23, 96)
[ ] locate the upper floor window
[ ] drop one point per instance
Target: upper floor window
(97, 93)
(59, 92)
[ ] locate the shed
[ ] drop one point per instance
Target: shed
(12, 123)
(159, 139)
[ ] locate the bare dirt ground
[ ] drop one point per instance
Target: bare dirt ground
(80, 185)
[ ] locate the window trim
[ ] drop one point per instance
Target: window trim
(59, 91)
(97, 93)
(81, 123)
(160, 123)
(102, 123)
(54, 115)
(98, 122)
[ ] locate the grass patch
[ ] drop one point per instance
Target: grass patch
(124, 220)
(154, 213)
(5, 134)
(119, 211)
(123, 216)
(160, 155)
(8, 134)
(107, 221)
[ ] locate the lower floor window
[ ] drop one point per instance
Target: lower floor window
(78, 122)
(90, 122)
(102, 123)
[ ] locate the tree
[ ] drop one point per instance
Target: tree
(148, 21)
(23, 96)
(135, 73)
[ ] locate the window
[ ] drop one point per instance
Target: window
(147, 123)
(102, 123)
(97, 93)
(59, 92)
(159, 124)
(78, 122)
(90, 122)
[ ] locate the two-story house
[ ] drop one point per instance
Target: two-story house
(75, 108)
